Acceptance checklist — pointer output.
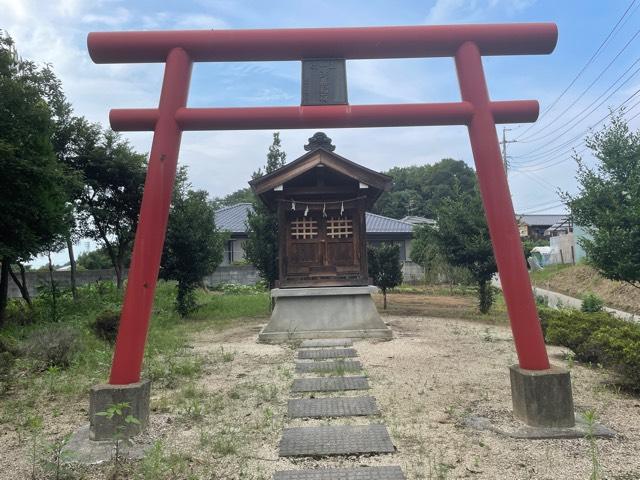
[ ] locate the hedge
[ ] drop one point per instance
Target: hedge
(596, 338)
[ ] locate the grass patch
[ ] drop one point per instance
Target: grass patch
(547, 272)
(442, 301)
(35, 384)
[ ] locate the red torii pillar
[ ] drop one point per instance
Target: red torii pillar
(178, 49)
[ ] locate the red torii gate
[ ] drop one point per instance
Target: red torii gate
(179, 49)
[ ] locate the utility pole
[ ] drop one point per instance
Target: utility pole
(505, 158)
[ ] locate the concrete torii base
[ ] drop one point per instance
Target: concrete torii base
(324, 312)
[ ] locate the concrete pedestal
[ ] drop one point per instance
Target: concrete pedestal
(542, 398)
(323, 312)
(136, 395)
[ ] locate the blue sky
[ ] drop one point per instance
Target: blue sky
(220, 162)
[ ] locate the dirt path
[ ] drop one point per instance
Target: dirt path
(426, 380)
(227, 424)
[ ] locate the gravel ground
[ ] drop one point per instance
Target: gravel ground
(426, 380)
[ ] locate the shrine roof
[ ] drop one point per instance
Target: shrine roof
(329, 159)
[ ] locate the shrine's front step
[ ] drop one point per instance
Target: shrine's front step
(327, 342)
(331, 366)
(326, 353)
(332, 407)
(360, 473)
(335, 440)
(329, 384)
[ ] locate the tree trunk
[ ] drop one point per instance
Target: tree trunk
(72, 263)
(119, 280)
(485, 296)
(21, 284)
(384, 298)
(4, 288)
(54, 293)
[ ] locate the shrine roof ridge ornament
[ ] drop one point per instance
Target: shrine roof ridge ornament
(319, 140)
(296, 44)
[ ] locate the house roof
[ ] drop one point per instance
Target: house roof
(234, 219)
(416, 220)
(380, 224)
(541, 220)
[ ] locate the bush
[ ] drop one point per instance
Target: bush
(592, 303)
(8, 352)
(597, 338)
(52, 347)
(105, 326)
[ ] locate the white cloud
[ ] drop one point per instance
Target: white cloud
(117, 17)
(463, 11)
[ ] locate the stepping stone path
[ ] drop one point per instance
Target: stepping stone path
(324, 353)
(329, 366)
(338, 440)
(332, 407)
(327, 342)
(362, 473)
(329, 384)
(327, 440)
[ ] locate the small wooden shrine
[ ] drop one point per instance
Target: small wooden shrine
(321, 199)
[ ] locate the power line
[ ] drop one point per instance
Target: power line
(586, 65)
(552, 150)
(535, 139)
(532, 212)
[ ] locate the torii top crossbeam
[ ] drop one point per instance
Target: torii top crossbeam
(179, 49)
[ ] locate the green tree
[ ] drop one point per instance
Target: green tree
(463, 238)
(243, 195)
(261, 248)
(419, 190)
(608, 202)
(33, 184)
(97, 260)
(113, 175)
(385, 268)
(193, 246)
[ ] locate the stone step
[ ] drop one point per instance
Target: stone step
(327, 342)
(329, 384)
(335, 440)
(330, 366)
(332, 407)
(324, 353)
(360, 473)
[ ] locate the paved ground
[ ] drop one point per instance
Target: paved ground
(332, 440)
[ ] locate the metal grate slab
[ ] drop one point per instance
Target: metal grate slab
(361, 473)
(329, 384)
(327, 342)
(330, 366)
(324, 353)
(332, 407)
(335, 440)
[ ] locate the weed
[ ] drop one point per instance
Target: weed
(53, 346)
(591, 303)
(56, 459)
(158, 465)
(117, 413)
(267, 393)
(33, 426)
(226, 357)
(487, 337)
(596, 469)
(570, 358)
(105, 326)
